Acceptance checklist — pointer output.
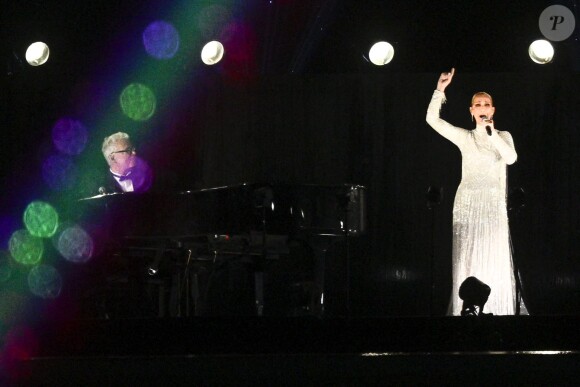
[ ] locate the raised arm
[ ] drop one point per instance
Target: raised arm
(444, 128)
(445, 79)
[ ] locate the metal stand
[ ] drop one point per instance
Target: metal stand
(183, 287)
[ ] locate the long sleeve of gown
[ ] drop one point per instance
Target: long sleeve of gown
(504, 144)
(452, 133)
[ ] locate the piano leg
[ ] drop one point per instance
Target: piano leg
(182, 288)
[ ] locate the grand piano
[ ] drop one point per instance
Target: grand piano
(278, 230)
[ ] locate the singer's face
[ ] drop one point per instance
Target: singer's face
(482, 106)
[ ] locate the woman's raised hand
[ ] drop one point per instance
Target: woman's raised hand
(445, 80)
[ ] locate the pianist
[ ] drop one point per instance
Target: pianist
(127, 172)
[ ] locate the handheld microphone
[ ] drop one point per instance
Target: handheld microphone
(487, 127)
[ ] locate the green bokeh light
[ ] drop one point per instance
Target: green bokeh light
(25, 248)
(138, 102)
(41, 219)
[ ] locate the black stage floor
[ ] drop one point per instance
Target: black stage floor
(490, 350)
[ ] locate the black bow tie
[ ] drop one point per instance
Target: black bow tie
(127, 176)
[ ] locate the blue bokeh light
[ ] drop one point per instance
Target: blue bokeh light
(69, 136)
(161, 40)
(75, 244)
(45, 282)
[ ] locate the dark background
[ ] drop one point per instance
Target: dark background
(305, 106)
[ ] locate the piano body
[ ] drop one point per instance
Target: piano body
(276, 229)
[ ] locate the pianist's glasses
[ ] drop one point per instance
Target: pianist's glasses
(128, 151)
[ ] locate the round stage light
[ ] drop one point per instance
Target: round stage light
(212, 52)
(381, 53)
(37, 54)
(541, 51)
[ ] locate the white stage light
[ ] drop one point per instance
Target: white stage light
(541, 51)
(37, 54)
(212, 53)
(381, 53)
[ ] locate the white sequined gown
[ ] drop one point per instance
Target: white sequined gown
(481, 245)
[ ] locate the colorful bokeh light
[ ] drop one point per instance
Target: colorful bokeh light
(138, 102)
(161, 40)
(75, 244)
(141, 176)
(59, 172)
(41, 219)
(45, 282)
(25, 248)
(69, 136)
